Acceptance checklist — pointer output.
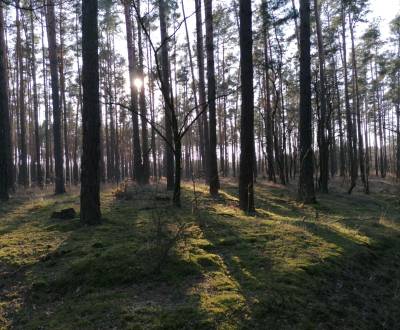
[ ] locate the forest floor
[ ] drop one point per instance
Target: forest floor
(333, 265)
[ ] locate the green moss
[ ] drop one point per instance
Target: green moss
(332, 265)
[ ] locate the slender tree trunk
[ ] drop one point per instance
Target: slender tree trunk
(5, 133)
(267, 116)
(75, 170)
(306, 191)
(213, 165)
(137, 153)
(323, 141)
(143, 109)
(202, 89)
(46, 108)
(194, 87)
(349, 119)
(63, 99)
(53, 49)
(246, 190)
(39, 175)
(90, 171)
(23, 177)
(167, 94)
(361, 158)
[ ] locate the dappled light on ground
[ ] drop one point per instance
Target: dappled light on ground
(207, 265)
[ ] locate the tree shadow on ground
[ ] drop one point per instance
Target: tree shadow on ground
(315, 272)
(290, 266)
(98, 277)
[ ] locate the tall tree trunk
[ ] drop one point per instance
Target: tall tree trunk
(322, 138)
(194, 87)
(90, 171)
(23, 177)
(53, 49)
(46, 108)
(398, 118)
(306, 191)
(75, 169)
(340, 123)
(143, 109)
(137, 153)
(349, 120)
(65, 109)
(167, 94)
(361, 158)
(213, 166)
(39, 175)
(246, 190)
(202, 89)
(5, 133)
(267, 103)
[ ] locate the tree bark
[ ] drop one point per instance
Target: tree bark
(90, 168)
(58, 157)
(137, 153)
(39, 175)
(322, 138)
(361, 158)
(349, 119)
(213, 165)
(5, 133)
(143, 110)
(246, 191)
(23, 178)
(306, 191)
(202, 89)
(168, 100)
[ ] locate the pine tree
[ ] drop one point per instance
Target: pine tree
(306, 191)
(246, 190)
(90, 167)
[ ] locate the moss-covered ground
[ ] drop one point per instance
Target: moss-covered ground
(333, 265)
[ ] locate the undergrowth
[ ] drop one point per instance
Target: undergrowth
(205, 266)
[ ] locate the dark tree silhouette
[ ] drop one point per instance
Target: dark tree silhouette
(5, 137)
(90, 171)
(212, 157)
(246, 192)
(306, 191)
(58, 156)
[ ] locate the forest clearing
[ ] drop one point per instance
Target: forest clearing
(199, 164)
(335, 264)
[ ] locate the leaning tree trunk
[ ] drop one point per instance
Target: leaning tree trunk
(90, 168)
(58, 157)
(306, 191)
(246, 191)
